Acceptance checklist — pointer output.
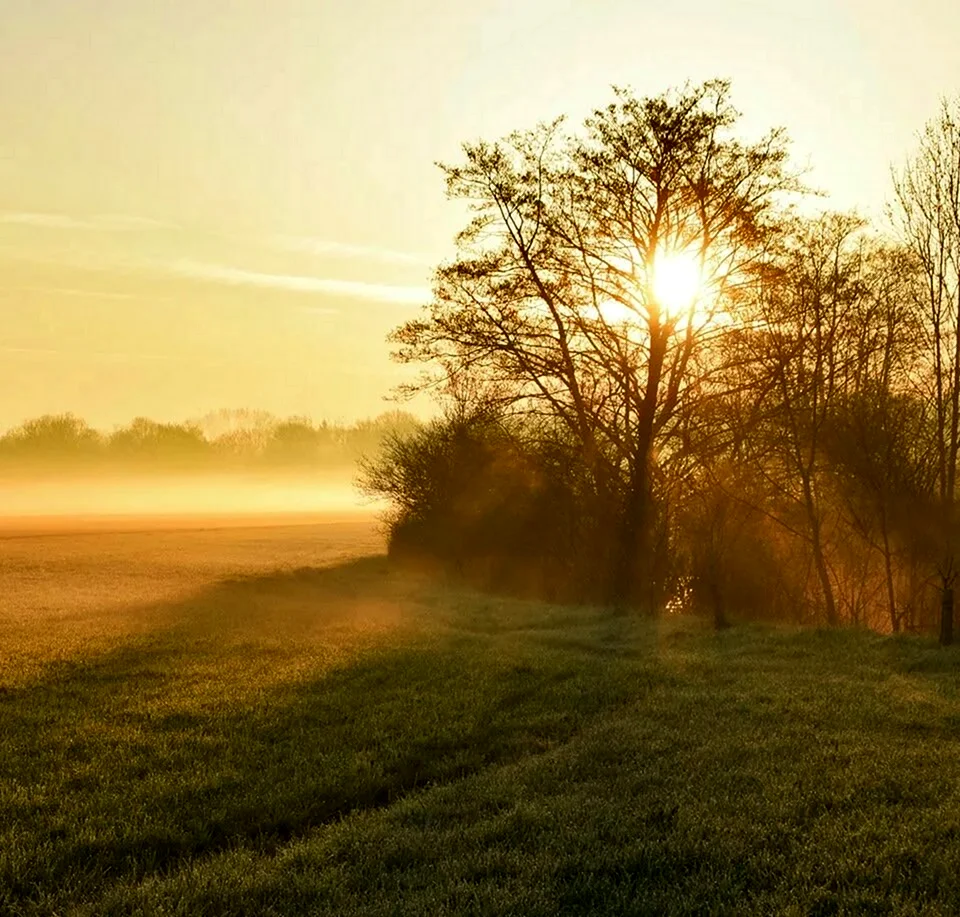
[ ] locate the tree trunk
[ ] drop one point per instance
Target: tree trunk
(631, 546)
(891, 592)
(720, 621)
(823, 574)
(634, 546)
(946, 615)
(819, 560)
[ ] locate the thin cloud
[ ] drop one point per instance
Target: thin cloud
(33, 351)
(84, 294)
(125, 222)
(110, 355)
(105, 222)
(354, 289)
(312, 246)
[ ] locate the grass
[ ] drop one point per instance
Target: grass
(351, 739)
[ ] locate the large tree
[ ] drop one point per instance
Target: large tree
(928, 212)
(592, 275)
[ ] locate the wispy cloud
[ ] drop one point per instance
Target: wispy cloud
(122, 356)
(32, 351)
(354, 289)
(312, 246)
(403, 294)
(104, 222)
(84, 294)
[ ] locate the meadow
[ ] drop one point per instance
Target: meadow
(266, 717)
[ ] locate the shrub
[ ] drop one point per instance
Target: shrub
(480, 496)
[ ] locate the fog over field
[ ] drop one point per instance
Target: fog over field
(186, 494)
(230, 462)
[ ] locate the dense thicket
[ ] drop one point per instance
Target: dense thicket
(779, 439)
(224, 440)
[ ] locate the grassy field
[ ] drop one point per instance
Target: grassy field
(257, 720)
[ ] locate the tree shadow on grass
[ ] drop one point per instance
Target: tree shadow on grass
(266, 707)
(253, 720)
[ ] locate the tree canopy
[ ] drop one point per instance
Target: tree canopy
(638, 318)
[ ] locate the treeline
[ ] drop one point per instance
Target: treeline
(778, 439)
(224, 440)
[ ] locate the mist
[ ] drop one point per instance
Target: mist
(179, 495)
(229, 463)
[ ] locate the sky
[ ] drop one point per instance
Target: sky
(209, 204)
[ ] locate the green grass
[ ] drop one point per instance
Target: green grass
(355, 740)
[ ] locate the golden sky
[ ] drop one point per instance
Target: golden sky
(210, 204)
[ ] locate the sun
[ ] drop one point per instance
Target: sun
(674, 288)
(677, 281)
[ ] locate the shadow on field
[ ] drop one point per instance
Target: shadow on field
(273, 705)
(265, 707)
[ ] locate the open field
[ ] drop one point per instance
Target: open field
(256, 718)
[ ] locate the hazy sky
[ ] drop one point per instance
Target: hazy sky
(228, 203)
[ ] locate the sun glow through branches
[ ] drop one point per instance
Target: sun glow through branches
(673, 289)
(677, 281)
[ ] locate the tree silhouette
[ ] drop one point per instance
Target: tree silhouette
(928, 212)
(553, 298)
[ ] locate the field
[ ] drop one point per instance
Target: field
(263, 717)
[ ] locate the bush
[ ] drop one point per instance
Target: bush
(480, 497)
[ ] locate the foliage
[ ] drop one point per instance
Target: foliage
(479, 495)
(148, 440)
(553, 300)
(60, 437)
(791, 431)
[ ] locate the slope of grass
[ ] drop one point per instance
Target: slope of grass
(355, 740)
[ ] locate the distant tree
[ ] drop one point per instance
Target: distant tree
(52, 437)
(293, 441)
(147, 440)
(365, 437)
(241, 446)
(228, 421)
(219, 441)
